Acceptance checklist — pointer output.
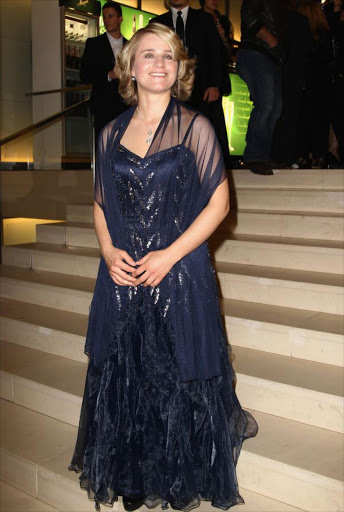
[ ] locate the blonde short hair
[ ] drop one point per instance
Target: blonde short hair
(182, 87)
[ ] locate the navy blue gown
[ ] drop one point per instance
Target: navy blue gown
(160, 418)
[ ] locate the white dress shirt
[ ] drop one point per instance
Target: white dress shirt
(116, 44)
(175, 11)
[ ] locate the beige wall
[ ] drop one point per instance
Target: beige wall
(44, 194)
(15, 70)
(15, 76)
(46, 74)
(234, 16)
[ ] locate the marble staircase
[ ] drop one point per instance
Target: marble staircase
(279, 260)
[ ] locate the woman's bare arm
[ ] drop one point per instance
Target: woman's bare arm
(155, 265)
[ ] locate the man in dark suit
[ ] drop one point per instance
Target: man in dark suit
(97, 68)
(198, 32)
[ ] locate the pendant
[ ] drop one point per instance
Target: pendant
(149, 138)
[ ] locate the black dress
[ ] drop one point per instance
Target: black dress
(160, 418)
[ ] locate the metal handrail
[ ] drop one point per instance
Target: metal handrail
(85, 87)
(42, 123)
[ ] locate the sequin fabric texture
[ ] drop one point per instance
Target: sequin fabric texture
(160, 419)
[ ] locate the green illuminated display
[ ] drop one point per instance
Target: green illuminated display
(237, 110)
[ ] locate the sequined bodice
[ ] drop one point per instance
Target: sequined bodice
(149, 190)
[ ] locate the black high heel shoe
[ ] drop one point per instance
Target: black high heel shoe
(305, 162)
(329, 161)
(131, 504)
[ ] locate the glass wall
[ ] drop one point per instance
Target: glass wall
(77, 125)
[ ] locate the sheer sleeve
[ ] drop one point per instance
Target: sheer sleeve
(202, 141)
(101, 165)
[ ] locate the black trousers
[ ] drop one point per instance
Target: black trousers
(315, 121)
(288, 128)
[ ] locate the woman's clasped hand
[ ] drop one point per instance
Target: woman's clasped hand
(148, 271)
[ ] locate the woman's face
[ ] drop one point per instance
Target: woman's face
(154, 68)
(210, 5)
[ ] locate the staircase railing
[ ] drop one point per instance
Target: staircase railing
(44, 122)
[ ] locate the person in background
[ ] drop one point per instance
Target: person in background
(298, 45)
(225, 29)
(334, 11)
(97, 68)
(199, 35)
(259, 65)
(315, 117)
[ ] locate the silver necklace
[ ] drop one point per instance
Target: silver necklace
(150, 131)
(149, 136)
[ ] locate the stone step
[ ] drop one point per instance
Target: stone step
(287, 461)
(277, 252)
(289, 224)
(61, 259)
(14, 500)
(42, 382)
(45, 233)
(50, 330)
(304, 391)
(317, 291)
(79, 213)
(36, 451)
(69, 233)
(295, 332)
(324, 201)
(291, 179)
(304, 225)
(274, 251)
(281, 287)
(299, 334)
(53, 290)
(290, 388)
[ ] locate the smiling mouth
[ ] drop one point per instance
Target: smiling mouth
(158, 74)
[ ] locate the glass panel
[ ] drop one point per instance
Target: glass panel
(65, 143)
(77, 126)
(18, 154)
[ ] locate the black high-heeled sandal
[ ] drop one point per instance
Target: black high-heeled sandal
(131, 504)
(305, 162)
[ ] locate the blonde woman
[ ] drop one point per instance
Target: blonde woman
(160, 422)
